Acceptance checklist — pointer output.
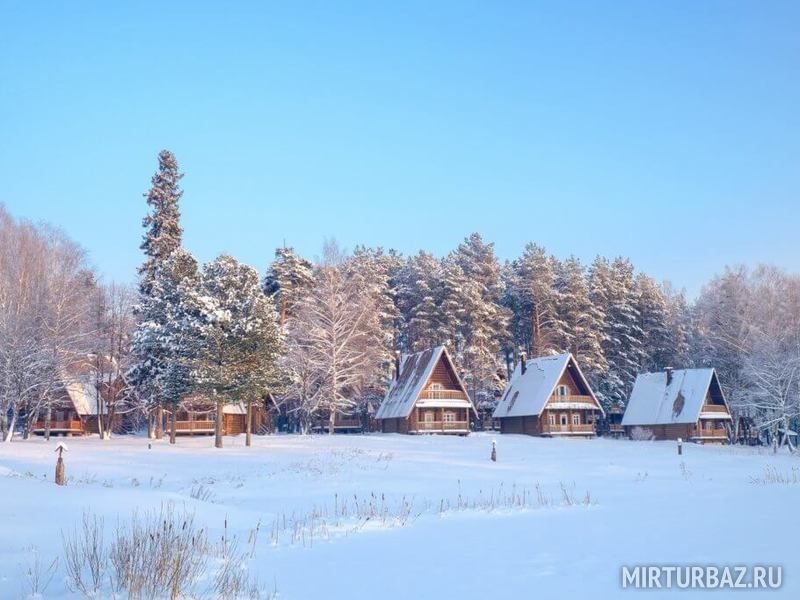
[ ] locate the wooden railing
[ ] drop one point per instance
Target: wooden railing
(616, 427)
(711, 433)
(715, 408)
(571, 398)
(72, 425)
(443, 395)
(349, 422)
(192, 426)
(583, 428)
(442, 426)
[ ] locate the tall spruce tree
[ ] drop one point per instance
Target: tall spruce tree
(163, 231)
(162, 237)
(289, 277)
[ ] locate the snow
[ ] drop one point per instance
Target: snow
(527, 393)
(652, 401)
(647, 505)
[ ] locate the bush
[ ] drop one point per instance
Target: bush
(642, 434)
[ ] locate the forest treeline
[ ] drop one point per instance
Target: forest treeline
(321, 336)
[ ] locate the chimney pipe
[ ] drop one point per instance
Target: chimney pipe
(669, 375)
(523, 362)
(397, 364)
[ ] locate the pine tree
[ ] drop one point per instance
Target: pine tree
(234, 342)
(612, 288)
(162, 237)
(288, 279)
(417, 282)
(533, 299)
(485, 321)
(163, 228)
(651, 305)
(581, 320)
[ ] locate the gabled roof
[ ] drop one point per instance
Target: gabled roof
(653, 402)
(79, 380)
(527, 393)
(415, 371)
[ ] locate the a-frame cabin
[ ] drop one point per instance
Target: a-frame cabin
(426, 396)
(685, 403)
(549, 396)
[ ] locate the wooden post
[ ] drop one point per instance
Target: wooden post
(60, 475)
(494, 451)
(680, 446)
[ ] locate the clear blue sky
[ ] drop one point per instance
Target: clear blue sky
(665, 131)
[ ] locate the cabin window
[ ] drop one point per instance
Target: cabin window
(563, 419)
(449, 417)
(551, 418)
(562, 391)
(61, 415)
(436, 386)
(576, 419)
(427, 416)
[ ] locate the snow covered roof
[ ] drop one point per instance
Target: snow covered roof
(415, 370)
(237, 408)
(653, 402)
(80, 382)
(526, 394)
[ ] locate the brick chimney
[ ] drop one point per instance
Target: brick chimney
(668, 370)
(523, 362)
(397, 364)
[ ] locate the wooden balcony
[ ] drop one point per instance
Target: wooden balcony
(558, 429)
(710, 434)
(442, 426)
(442, 395)
(189, 427)
(714, 408)
(345, 423)
(71, 426)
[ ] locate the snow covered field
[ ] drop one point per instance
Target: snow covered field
(552, 518)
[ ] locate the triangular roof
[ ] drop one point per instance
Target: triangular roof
(79, 380)
(527, 393)
(415, 372)
(653, 402)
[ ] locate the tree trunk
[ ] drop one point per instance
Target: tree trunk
(10, 432)
(48, 415)
(332, 421)
(218, 424)
(173, 418)
(248, 440)
(150, 428)
(159, 422)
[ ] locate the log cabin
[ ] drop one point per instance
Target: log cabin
(548, 396)
(79, 398)
(686, 403)
(198, 416)
(426, 396)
